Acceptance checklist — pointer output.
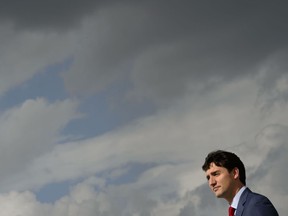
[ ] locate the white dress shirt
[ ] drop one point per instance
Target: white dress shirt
(236, 199)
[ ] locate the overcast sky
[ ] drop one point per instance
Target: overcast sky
(109, 108)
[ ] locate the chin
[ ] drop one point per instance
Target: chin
(218, 194)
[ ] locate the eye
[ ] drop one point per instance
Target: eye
(217, 173)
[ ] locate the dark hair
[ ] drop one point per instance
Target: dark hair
(227, 160)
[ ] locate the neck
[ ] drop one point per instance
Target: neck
(234, 192)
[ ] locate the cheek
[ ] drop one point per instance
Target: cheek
(220, 180)
(225, 181)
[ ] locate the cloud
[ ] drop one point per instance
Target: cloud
(273, 81)
(176, 184)
(273, 141)
(30, 130)
(25, 203)
(151, 139)
(163, 50)
(101, 55)
(146, 197)
(200, 60)
(166, 54)
(25, 53)
(53, 15)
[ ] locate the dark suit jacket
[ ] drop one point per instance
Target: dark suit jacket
(253, 204)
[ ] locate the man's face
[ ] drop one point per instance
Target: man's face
(221, 182)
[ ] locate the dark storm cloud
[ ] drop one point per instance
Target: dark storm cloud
(220, 42)
(175, 45)
(242, 31)
(222, 37)
(170, 45)
(46, 14)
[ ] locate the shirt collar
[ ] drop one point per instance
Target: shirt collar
(236, 198)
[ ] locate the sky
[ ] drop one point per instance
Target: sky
(109, 108)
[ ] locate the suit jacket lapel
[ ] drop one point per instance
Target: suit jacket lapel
(242, 201)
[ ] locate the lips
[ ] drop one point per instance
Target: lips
(215, 189)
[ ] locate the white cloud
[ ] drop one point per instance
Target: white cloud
(178, 143)
(272, 78)
(169, 136)
(20, 204)
(30, 130)
(270, 176)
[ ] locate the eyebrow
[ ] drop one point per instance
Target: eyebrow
(213, 174)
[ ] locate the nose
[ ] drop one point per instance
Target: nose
(212, 181)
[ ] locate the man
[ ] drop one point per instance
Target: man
(226, 176)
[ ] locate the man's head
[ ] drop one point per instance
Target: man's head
(225, 173)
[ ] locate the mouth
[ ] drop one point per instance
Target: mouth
(216, 188)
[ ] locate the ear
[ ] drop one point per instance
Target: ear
(235, 173)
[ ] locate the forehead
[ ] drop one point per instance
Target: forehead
(213, 167)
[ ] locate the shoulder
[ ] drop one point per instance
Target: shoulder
(256, 198)
(252, 196)
(259, 204)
